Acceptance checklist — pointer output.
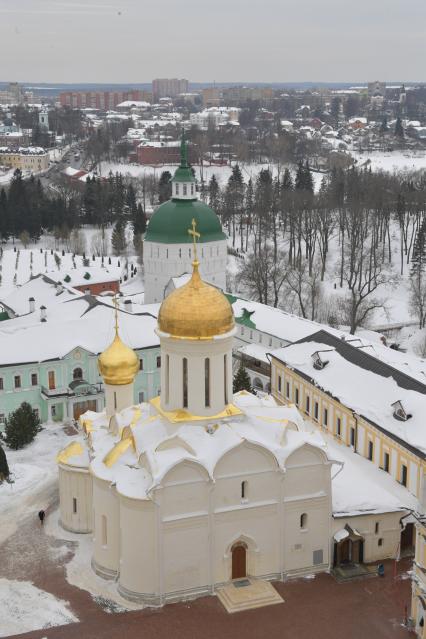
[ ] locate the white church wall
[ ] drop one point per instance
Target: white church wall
(164, 261)
(306, 534)
(185, 491)
(75, 499)
(118, 397)
(106, 528)
(381, 533)
(139, 565)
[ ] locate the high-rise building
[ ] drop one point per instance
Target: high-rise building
(168, 87)
(103, 100)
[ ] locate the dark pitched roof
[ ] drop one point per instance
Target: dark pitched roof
(359, 357)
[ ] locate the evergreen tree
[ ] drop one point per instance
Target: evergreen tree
(418, 259)
(399, 131)
(139, 220)
(241, 380)
(4, 466)
(287, 182)
(21, 427)
(165, 187)
(214, 194)
(118, 238)
(384, 125)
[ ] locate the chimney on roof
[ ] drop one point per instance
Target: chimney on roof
(31, 302)
(59, 288)
(43, 315)
(128, 306)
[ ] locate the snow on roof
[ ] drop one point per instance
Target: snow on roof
(133, 103)
(366, 392)
(88, 325)
(44, 291)
(255, 351)
(78, 276)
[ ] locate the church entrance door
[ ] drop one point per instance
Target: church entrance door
(80, 407)
(239, 561)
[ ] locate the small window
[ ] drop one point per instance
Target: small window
(37, 413)
(251, 334)
(287, 390)
(53, 410)
(158, 361)
(376, 527)
(270, 341)
(180, 252)
(104, 531)
(192, 189)
(352, 436)
(380, 541)
(141, 364)
(74, 505)
(77, 373)
(177, 189)
(339, 426)
(296, 396)
(370, 450)
(34, 379)
(185, 189)
(303, 521)
(279, 383)
(307, 405)
(404, 475)
(17, 380)
(243, 490)
(325, 416)
(316, 409)
(242, 330)
(141, 397)
(386, 460)
(1, 384)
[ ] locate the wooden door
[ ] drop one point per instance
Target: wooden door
(80, 407)
(407, 542)
(345, 551)
(51, 376)
(239, 569)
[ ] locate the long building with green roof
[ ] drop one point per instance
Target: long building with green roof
(168, 245)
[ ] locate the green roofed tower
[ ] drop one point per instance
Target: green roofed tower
(167, 244)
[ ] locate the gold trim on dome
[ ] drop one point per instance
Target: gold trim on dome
(181, 415)
(72, 450)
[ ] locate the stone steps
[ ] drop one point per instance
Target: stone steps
(256, 594)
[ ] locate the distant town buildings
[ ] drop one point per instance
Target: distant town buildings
(15, 94)
(153, 153)
(102, 100)
(168, 87)
(215, 117)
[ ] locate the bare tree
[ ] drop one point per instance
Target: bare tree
(306, 288)
(418, 297)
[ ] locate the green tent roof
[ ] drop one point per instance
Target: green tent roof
(171, 221)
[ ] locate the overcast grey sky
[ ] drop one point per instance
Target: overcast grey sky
(206, 40)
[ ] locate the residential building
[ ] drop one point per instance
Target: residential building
(168, 87)
(102, 100)
(418, 599)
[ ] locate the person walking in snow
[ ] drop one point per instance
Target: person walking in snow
(41, 516)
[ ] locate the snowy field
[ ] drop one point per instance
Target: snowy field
(392, 161)
(24, 608)
(34, 474)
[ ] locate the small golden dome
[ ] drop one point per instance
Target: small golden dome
(118, 364)
(196, 310)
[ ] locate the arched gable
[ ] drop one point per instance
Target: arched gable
(247, 455)
(306, 455)
(185, 471)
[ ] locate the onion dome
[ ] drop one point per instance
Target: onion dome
(118, 364)
(196, 310)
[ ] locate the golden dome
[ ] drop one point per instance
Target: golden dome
(196, 310)
(118, 364)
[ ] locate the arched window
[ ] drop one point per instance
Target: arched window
(243, 490)
(167, 378)
(207, 382)
(104, 530)
(185, 382)
(185, 189)
(303, 521)
(180, 252)
(225, 377)
(177, 189)
(192, 189)
(77, 373)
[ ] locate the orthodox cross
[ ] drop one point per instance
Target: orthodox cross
(194, 233)
(115, 302)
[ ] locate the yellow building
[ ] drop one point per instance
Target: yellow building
(34, 159)
(365, 403)
(418, 600)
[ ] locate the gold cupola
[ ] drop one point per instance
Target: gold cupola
(118, 364)
(196, 310)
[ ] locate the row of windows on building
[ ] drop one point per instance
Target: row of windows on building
(338, 428)
(268, 338)
(34, 379)
(158, 363)
(184, 188)
(181, 252)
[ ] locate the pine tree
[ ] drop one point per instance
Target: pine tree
(384, 125)
(214, 194)
(118, 238)
(165, 187)
(399, 131)
(241, 380)
(21, 427)
(4, 466)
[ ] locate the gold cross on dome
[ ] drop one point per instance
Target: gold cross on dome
(115, 302)
(195, 235)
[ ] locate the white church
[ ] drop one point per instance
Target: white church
(201, 488)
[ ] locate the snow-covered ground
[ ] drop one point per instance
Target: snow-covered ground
(24, 608)
(34, 473)
(392, 161)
